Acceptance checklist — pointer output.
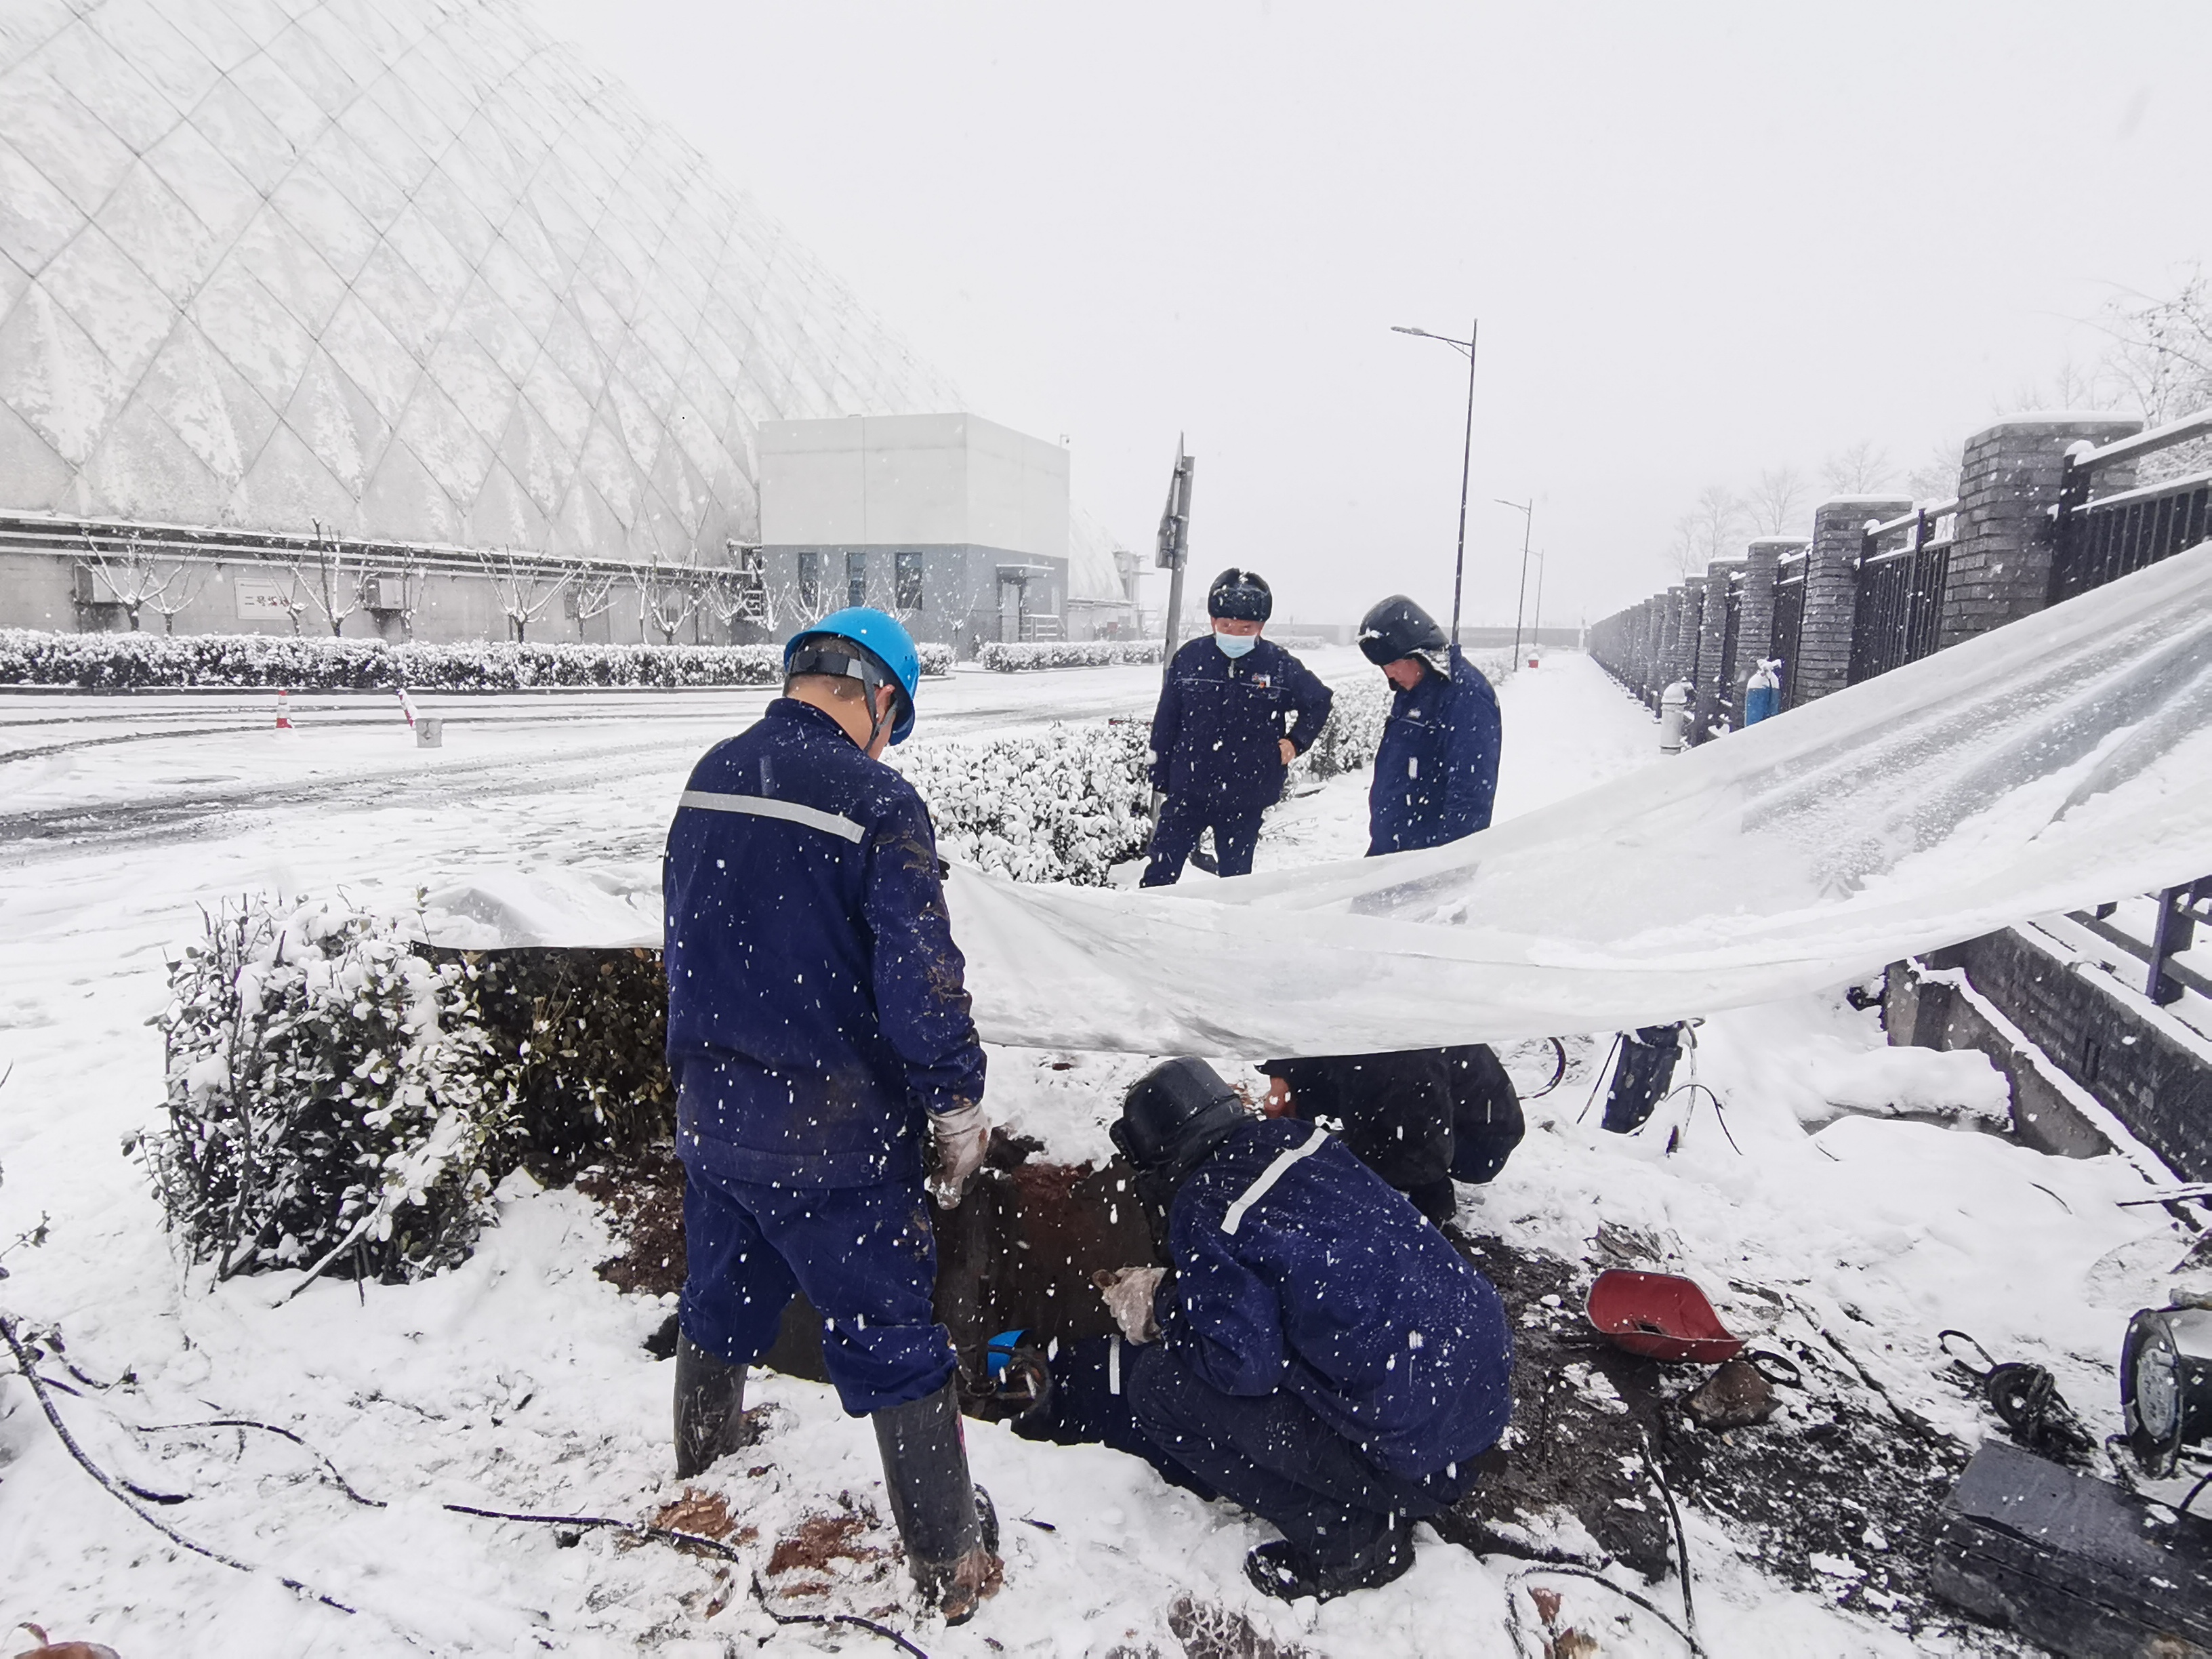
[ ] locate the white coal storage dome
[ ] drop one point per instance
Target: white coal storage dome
(406, 268)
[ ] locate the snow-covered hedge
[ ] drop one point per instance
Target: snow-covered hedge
(1067, 653)
(1070, 803)
(1066, 804)
(133, 661)
(332, 1099)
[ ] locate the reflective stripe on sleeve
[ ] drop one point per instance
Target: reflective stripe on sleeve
(760, 806)
(1269, 1176)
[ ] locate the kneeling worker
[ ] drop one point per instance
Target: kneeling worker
(819, 1035)
(1220, 744)
(1320, 1354)
(1421, 1119)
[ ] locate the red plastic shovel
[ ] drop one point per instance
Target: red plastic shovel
(1661, 1316)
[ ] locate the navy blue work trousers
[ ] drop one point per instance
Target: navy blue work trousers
(1271, 1455)
(1235, 838)
(866, 1257)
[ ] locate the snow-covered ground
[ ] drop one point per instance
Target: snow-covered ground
(519, 1381)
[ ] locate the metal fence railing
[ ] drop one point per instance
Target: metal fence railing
(1899, 607)
(2098, 539)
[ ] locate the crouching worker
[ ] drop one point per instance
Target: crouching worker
(819, 1035)
(1317, 1350)
(1421, 1119)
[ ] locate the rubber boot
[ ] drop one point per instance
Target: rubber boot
(710, 1409)
(939, 1509)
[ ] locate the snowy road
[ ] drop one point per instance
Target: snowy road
(518, 1380)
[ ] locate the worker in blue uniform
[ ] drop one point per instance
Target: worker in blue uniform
(1234, 710)
(1436, 769)
(1318, 1352)
(826, 1066)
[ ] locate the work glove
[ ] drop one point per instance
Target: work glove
(1130, 1293)
(960, 1138)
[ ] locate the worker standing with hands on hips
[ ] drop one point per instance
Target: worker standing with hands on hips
(1436, 769)
(1235, 711)
(819, 1034)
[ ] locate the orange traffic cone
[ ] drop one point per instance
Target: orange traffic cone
(283, 711)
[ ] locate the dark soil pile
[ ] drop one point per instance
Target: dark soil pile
(1837, 1493)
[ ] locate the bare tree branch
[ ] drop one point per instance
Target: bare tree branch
(524, 586)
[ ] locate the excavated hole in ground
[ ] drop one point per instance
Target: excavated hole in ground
(1835, 1494)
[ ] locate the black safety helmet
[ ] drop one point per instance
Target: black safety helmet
(1175, 1114)
(1240, 596)
(1398, 628)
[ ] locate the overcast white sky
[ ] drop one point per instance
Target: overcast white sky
(1703, 240)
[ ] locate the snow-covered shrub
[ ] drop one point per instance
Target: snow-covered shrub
(331, 1098)
(1070, 803)
(1064, 804)
(117, 662)
(1352, 733)
(1067, 653)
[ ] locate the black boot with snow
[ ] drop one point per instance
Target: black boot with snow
(1280, 1571)
(941, 1513)
(710, 1409)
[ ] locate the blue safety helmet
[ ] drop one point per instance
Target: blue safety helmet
(887, 657)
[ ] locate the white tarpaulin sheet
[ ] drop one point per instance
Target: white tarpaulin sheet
(2059, 762)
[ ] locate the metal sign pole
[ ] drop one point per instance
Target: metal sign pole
(1174, 545)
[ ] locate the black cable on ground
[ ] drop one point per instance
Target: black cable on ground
(1681, 1538)
(114, 1489)
(1559, 1070)
(1722, 1116)
(1513, 1611)
(582, 1522)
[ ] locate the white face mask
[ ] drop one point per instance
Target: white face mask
(1236, 644)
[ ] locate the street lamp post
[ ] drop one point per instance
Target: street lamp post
(1466, 457)
(1536, 627)
(1527, 511)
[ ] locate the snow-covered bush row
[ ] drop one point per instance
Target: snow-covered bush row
(1067, 653)
(130, 661)
(1069, 804)
(331, 1098)
(1353, 733)
(1065, 804)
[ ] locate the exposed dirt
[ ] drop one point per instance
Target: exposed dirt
(706, 1514)
(644, 1204)
(1837, 1493)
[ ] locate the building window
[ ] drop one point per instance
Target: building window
(810, 582)
(908, 574)
(856, 579)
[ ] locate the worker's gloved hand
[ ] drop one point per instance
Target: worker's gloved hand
(960, 1138)
(1129, 1292)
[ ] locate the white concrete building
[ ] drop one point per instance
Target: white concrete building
(957, 525)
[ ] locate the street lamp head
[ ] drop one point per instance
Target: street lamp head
(1518, 506)
(1400, 328)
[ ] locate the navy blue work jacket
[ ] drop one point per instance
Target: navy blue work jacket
(1436, 770)
(816, 1007)
(1220, 719)
(1296, 1267)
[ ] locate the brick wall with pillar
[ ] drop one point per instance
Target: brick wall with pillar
(1655, 635)
(1754, 631)
(2008, 481)
(1691, 634)
(1712, 630)
(1824, 645)
(1670, 639)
